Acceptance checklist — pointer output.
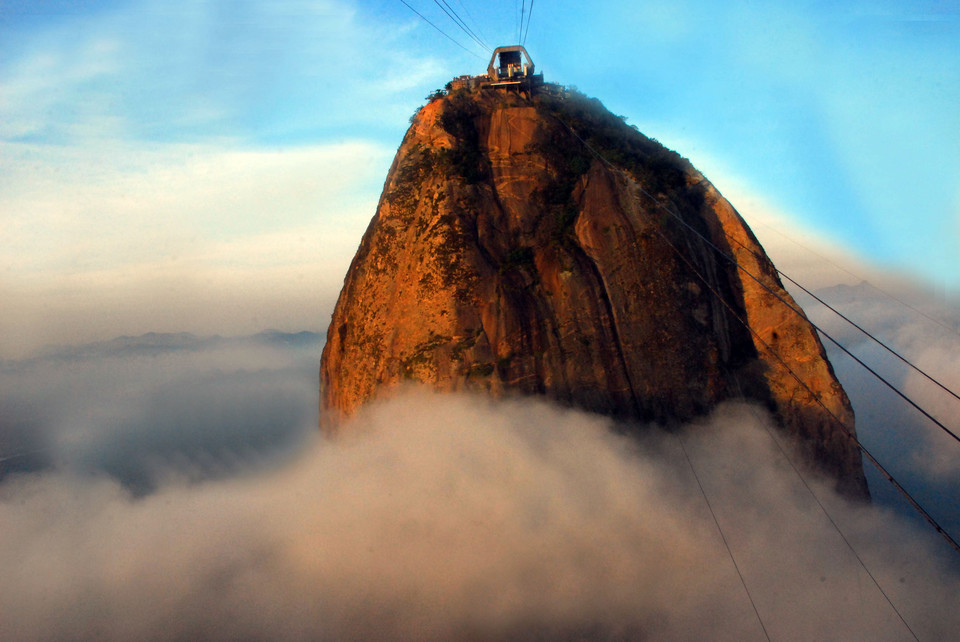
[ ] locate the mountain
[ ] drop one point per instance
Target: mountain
(539, 245)
(160, 343)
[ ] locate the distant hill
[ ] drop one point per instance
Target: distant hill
(156, 343)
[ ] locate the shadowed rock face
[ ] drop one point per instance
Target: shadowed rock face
(528, 246)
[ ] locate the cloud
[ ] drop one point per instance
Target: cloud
(797, 250)
(138, 409)
(451, 516)
(924, 329)
(939, 358)
(121, 239)
(174, 71)
(72, 210)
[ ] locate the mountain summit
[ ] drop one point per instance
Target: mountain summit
(539, 245)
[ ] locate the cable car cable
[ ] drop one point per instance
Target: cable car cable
(474, 21)
(798, 312)
(873, 460)
(459, 22)
(862, 279)
(836, 526)
(826, 513)
(463, 25)
(850, 321)
(823, 332)
(450, 38)
(529, 13)
(723, 537)
(875, 339)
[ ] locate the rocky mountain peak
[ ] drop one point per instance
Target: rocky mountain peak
(541, 246)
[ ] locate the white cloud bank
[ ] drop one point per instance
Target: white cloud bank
(115, 239)
(452, 517)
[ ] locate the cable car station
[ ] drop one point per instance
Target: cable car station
(510, 68)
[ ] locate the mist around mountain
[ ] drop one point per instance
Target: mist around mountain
(185, 492)
(138, 408)
(924, 329)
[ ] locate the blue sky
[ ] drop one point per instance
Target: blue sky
(210, 166)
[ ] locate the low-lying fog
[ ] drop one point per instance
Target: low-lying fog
(174, 487)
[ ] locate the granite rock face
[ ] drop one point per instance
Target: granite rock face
(541, 246)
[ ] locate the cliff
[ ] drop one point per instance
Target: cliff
(541, 246)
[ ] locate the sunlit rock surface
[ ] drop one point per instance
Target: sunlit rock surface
(535, 246)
